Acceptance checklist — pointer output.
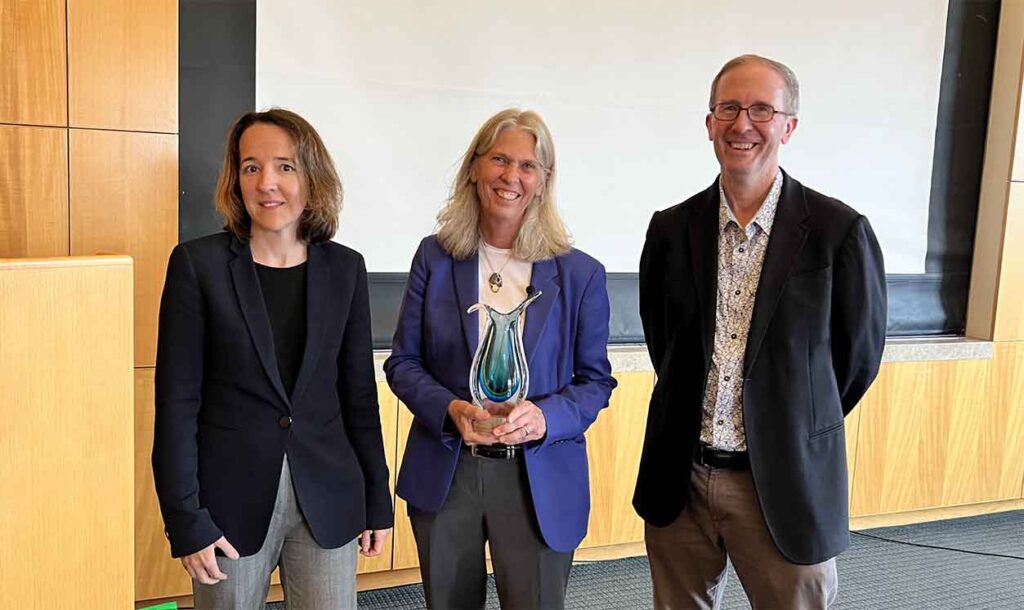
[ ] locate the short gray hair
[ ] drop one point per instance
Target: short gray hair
(792, 86)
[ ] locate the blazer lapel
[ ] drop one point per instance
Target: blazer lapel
(467, 293)
(787, 239)
(704, 257)
(318, 282)
(543, 277)
(254, 310)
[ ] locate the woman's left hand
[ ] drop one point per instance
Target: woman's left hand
(371, 542)
(523, 424)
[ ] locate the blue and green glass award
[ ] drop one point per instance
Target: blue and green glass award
(500, 378)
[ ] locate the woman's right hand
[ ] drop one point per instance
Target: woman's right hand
(463, 414)
(202, 565)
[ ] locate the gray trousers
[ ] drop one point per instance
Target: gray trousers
(489, 501)
(312, 577)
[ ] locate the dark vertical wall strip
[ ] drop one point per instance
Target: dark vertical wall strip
(965, 87)
(217, 72)
(216, 83)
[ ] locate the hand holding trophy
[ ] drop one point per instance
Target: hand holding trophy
(499, 378)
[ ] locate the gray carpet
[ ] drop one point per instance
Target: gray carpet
(872, 573)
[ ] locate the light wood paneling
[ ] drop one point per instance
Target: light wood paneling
(936, 434)
(156, 573)
(33, 191)
(934, 514)
(1006, 392)
(389, 429)
(66, 455)
(1002, 138)
(614, 443)
(405, 544)
(123, 64)
(33, 68)
(124, 200)
(1009, 322)
(852, 432)
(1010, 44)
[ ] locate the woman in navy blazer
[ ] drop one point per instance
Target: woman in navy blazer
(268, 446)
(524, 486)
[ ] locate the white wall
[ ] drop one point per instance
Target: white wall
(398, 88)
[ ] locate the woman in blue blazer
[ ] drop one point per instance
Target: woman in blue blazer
(524, 486)
(268, 448)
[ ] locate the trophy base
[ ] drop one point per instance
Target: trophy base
(485, 426)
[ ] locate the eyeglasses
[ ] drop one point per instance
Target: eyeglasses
(758, 113)
(528, 167)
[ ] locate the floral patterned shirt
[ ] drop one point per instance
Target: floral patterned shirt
(740, 256)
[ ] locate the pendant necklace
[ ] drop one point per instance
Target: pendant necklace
(494, 281)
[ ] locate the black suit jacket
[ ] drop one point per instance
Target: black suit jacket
(222, 414)
(815, 344)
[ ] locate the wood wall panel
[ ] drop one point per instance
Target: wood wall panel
(66, 455)
(405, 544)
(156, 573)
(1000, 163)
(936, 434)
(614, 443)
(123, 64)
(1006, 391)
(33, 192)
(124, 200)
(1009, 318)
(389, 428)
(33, 62)
(852, 432)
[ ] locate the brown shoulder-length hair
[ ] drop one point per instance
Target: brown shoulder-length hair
(319, 221)
(543, 234)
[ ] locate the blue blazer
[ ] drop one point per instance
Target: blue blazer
(566, 342)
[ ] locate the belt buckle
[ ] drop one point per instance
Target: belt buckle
(699, 454)
(507, 452)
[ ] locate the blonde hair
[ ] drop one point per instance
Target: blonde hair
(543, 234)
(319, 220)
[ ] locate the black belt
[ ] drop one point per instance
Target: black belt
(707, 455)
(495, 452)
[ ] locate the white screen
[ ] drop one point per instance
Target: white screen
(397, 89)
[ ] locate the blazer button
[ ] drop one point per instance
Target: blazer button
(285, 422)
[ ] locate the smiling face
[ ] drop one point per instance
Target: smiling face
(507, 177)
(748, 152)
(273, 188)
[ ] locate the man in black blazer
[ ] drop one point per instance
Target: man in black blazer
(763, 304)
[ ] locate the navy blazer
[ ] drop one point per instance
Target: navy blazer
(566, 343)
(815, 345)
(224, 421)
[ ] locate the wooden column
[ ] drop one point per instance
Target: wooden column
(996, 304)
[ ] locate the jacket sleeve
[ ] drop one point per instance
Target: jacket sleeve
(179, 382)
(858, 313)
(406, 371)
(652, 291)
(357, 389)
(569, 412)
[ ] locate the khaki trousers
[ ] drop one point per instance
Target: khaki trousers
(723, 518)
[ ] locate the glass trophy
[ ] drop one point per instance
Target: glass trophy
(499, 378)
